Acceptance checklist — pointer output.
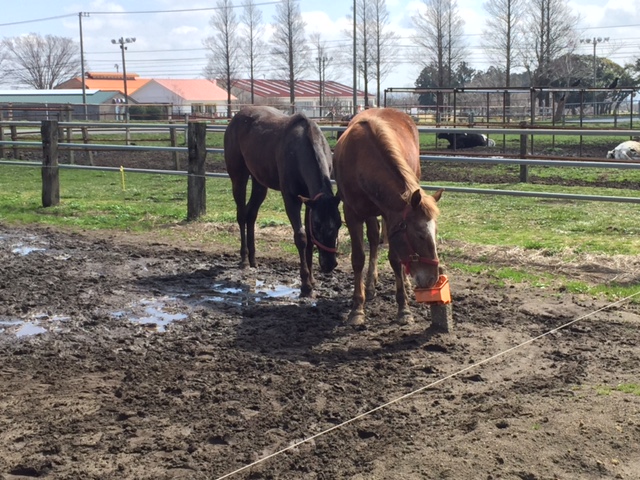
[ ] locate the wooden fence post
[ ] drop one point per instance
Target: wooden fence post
(50, 174)
(524, 169)
(14, 138)
(196, 183)
(85, 140)
(173, 136)
(3, 153)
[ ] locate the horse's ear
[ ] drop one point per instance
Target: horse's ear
(436, 196)
(416, 198)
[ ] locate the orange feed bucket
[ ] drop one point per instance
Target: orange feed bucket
(439, 293)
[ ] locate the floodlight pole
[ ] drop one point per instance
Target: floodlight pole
(84, 83)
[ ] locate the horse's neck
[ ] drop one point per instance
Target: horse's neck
(317, 182)
(391, 200)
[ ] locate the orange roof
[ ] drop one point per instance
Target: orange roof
(197, 89)
(107, 81)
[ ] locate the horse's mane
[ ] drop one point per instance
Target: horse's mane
(387, 140)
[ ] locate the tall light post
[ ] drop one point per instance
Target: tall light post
(122, 42)
(84, 83)
(595, 41)
(322, 65)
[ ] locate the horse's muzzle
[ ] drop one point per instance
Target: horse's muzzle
(328, 262)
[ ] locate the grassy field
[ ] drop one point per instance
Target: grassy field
(143, 203)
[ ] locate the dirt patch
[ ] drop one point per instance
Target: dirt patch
(165, 361)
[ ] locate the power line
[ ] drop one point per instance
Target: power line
(37, 20)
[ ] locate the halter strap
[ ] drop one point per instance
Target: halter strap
(413, 256)
(313, 238)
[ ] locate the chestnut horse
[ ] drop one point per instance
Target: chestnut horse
(290, 154)
(377, 169)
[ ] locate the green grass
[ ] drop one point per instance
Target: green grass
(554, 228)
(542, 224)
(628, 388)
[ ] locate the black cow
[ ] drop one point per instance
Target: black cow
(467, 140)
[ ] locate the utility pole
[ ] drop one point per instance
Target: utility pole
(595, 41)
(84, 83)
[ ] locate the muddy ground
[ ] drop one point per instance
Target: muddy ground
(125, 357)
(131, 357)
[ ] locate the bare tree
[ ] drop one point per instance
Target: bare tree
(502, 37)
(42, 62)
(439, 29)
(224, 48)
(290, 48)
(363, 34)
(550, 33)
(383, 48)
(252, 45)
(4, 68)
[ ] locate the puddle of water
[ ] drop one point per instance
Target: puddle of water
(155, 313)
(24, 250)
(29, 329)
(220, 288)
(277, 291)
(37, 324)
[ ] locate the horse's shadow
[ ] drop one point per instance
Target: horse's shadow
(293, 328)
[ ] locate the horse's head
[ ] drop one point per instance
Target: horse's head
(323, 224)
(413, 239)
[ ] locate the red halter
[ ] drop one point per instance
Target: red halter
(313, 238)
(413, 256)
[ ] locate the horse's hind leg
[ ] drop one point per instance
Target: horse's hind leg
(239, 186)
(404, 316)
(258, 194)
(373, 236)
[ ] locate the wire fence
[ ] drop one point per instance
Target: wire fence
(74, 129)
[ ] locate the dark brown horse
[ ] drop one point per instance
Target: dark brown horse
(377, 168)
(290, 154)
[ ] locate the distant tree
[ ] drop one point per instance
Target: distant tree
(4, 67)
(549, 34)
(363, 42)
(290, 49)
(439, 29)
(428, 78)
(502, 36)
(383, 47)
(634, 70)
(224, 48)
(252, 45)
(41, 62)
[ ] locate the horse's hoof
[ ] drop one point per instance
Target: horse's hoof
(370, 294)
(306, 291)
(356, 318)
(404, 318)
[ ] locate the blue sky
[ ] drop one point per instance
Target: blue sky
(169, 45)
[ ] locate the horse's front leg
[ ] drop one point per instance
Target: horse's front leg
(356, 233)
(404, 316)
(373, 236)
(309, 248)
(293, 208)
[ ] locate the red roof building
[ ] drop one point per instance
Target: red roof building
(106, 81)
(337, 98)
